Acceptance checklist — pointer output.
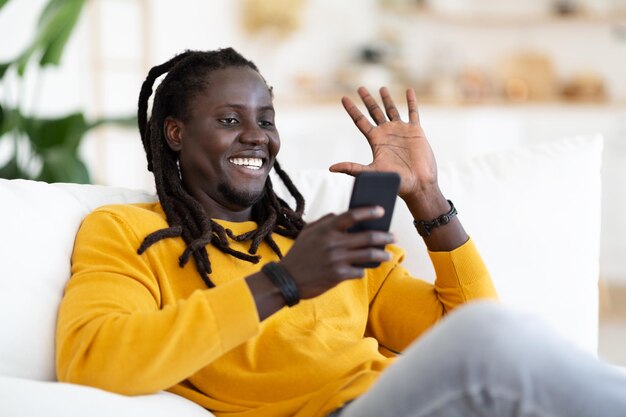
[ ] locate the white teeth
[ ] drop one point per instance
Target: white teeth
(250, 163)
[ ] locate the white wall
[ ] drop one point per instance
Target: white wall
(118, 40)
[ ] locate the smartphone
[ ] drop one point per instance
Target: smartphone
(374, 189)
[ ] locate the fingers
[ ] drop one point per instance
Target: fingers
(358, 118)
(350, 168)
(367, 255)
(367, 239)
(372, 107)
(349, 218)
(375, 111)
(411, 101)
(390, 107)
(356, 250)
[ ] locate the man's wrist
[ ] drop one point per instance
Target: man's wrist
(425, 227)
(428, 203)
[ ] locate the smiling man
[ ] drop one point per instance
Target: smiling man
(221, 293)
(229, 136)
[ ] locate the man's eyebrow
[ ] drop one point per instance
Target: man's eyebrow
(242, 107)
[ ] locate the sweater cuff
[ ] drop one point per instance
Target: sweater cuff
(463, 267)
(235, 312)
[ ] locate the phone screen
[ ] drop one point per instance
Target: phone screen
(375, 189)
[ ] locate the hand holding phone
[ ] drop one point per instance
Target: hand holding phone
(374, 189)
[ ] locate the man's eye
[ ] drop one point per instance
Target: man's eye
(266, 123)
(228, 121)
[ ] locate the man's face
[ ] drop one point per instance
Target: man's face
(229, 143)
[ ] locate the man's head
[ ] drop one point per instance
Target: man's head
(212, 125)
(226, 141)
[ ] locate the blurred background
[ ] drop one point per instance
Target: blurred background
(490, 75)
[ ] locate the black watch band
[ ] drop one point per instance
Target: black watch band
(284, 281)
(424, 228)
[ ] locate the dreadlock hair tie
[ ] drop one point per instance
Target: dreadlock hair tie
(284, 281)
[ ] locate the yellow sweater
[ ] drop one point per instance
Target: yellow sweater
(139, 324)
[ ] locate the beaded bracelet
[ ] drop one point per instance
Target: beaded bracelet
(424, 228)
(284, 281)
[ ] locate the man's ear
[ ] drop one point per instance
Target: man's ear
(173, 129)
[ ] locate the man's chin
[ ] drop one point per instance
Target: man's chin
(240, 198)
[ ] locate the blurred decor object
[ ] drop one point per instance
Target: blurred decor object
(403, 4)
(585, 86)
(442, 76)
(491, 9)
(565, 7)
(370, 68)
(278, 17)
(474, 85)
(44, 148)
(601, 7)
(528, 76)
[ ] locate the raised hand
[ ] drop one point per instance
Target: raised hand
(397, 146)
(401, 147)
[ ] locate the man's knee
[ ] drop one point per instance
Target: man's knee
(491, 330)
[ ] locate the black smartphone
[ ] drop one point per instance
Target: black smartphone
(374, 189)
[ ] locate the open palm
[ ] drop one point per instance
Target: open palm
(397, 146)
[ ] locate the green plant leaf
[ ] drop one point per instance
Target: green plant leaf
(62, 165)
(3, 2)
(2, 120)
(4, 67)
(123, 121)
(22, 61)
(8, 120)
(62, 26)
(56, 24)
(11, 170)
(65, 132)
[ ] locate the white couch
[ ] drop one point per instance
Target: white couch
(534, 213)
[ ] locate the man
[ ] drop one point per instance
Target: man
(220, 293)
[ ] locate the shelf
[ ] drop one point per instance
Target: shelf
(335, 100)
(487, 21)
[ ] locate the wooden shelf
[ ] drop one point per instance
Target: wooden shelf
(495, 21)
(334, 99)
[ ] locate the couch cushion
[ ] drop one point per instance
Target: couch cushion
(38, 223)
(534, 212)
(60, 399)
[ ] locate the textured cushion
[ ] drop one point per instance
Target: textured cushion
(38, 223)
(534, 212)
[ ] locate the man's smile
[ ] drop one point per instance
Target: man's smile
(249, 163)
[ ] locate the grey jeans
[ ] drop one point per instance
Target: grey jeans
(485, 360)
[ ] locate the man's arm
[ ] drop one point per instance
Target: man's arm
(113, 331)
(404, 307)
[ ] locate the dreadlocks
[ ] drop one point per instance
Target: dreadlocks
(185, 79)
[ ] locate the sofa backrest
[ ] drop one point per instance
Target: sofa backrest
(38, 222)
(534, 213)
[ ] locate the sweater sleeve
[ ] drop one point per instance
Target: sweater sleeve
(114, 333)
(404, 307)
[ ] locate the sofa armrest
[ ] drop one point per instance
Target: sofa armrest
(27, 398)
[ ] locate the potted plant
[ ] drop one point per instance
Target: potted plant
(45, 148)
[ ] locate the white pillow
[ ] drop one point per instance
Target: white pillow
(39, 222)
(28, 398)
(534, 213)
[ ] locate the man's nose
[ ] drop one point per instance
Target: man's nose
(253, 133)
